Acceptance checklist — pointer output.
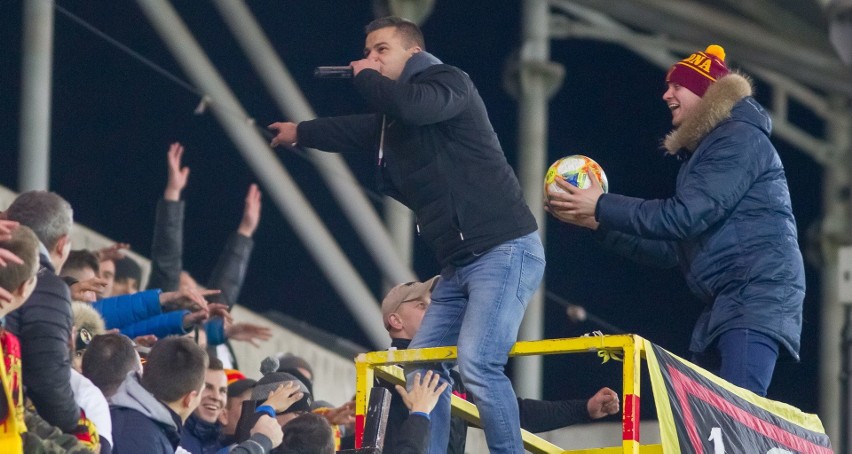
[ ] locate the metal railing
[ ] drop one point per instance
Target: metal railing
(628, 348)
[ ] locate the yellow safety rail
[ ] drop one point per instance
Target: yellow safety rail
(628, 347)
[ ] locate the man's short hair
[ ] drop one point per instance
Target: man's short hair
(215, 364)
(24, 244)
(127, 268)
(174, 367)
(409, 31)
(108, 359)
(307, 434)
(46, 213)
(80, 260)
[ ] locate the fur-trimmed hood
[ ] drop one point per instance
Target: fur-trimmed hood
(715, 107)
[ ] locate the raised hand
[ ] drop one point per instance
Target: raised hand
(284, 396)
(424, 393)
(247, 332)
(186, 298)
(195, 318)
(220, 310)
(114, 252)
(7, 256)
(342, 415)
(87, 291)
(178, 175)
(6, 228)
(251, 212)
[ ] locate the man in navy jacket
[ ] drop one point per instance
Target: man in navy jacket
(729, 227)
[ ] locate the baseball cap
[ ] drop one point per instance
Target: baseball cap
(408, 291)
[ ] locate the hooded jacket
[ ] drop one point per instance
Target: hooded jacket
(201, 437)
(140, 422)
(730, 225)
(437, 154)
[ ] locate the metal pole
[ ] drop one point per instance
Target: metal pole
(399, 220)
(846, 384)
(332, 167)
(836, 229)
(538, 78)
(36, 78)
(413, 10)
(268, 169)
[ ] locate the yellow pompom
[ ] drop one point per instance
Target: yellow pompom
(716, 51)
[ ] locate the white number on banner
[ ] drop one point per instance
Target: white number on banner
(716, 438)
(719, 444)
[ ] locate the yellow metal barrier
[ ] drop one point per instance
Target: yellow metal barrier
(628, 347)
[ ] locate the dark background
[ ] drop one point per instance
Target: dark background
(113, 119)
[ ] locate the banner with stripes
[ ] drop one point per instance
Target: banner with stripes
(701, 413)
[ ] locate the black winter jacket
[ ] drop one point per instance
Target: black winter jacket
(437, 154)
(43, 326)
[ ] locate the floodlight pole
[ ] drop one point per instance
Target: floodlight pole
(836, 232)
(537, 80)
(36, 78)
(845, 443)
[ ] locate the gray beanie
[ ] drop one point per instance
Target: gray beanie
(271, 381)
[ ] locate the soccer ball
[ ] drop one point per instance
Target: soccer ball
(573, 168)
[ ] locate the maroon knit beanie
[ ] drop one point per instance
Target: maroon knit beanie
(699, 70)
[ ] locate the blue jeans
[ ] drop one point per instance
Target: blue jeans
(744, 357)
(479, 308)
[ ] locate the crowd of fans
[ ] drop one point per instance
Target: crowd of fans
(94, 363)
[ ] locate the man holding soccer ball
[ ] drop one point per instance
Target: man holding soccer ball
(433, 142)
(729, 227)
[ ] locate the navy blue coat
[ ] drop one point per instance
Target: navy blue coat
(730, 225)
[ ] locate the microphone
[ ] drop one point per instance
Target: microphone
(333, 72)
(268, 365)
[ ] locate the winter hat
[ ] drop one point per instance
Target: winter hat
(233, 375)
(271, 381)
(699, 70)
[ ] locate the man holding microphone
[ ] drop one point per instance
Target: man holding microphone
(438, 154)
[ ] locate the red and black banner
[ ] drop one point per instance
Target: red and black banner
(702, 413)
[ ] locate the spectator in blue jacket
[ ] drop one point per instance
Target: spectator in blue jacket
(142, 313)
(729, 227)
